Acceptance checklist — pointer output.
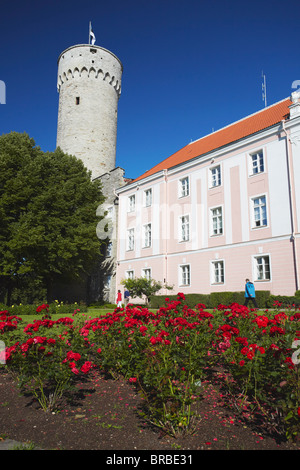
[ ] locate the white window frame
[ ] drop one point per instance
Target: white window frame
(256, 162)
(215, 180)
(184, 228)
(218, 217)
(130, 240)
(255, 265)
(184, 187)
(131, 203)
(254, 221)
(184, 274)
(147, 273)
(148, 197)
(129, 274)
(107, 281)
(147, 235)
(216, 273)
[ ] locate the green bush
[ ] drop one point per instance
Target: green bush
(284, 300)
(54, 307)
(213, 300)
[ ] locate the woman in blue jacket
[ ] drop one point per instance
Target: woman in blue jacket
(250, 293)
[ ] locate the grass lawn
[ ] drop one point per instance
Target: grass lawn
(91, 313)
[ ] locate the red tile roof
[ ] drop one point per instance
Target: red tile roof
(263, 119)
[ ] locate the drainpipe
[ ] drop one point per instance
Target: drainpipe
(292, 209)
(166, 228)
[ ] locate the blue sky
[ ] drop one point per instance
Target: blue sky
(190, 66)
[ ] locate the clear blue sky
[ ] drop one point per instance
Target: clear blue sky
(190, 66)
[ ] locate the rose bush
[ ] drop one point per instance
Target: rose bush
(166, 356)
(42, 358)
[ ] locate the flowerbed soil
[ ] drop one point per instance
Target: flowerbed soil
(104, 415)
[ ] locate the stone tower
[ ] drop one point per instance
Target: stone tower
(89, 86)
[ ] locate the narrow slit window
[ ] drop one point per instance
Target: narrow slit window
(77, 100)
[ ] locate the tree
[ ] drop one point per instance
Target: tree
(48, 213)
(141, 286)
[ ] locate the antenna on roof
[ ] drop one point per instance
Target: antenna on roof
(264, 88)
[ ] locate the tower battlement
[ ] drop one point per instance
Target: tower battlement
(86, 61)
(89, 86)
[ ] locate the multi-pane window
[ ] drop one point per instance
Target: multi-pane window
(215, 176)
(147, 235)
(217, 272)
(131, 203)
(216, 221)
(259, 211)
(185, 275)
(146, 272)
(129, 274)
(109, 249)
(107, 281)
(257, 162)
(184, 228)
(262, 268)
(130, 239)
(148, 197)
(184, 187)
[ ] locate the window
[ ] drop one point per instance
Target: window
(146, 272)
(257, 162)
(185, 275)
(107, 281)
(262, 268)
(129, 274)
(147, 235)
(77, 100)
(216, 221)
(184, 187)
(184, 228)
(217, 272)
(130, 239)
(215, 176)
(109, 250)
(148, 197)
(259, 211)
(131, 203)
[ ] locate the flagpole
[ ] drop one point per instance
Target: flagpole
(90, 33)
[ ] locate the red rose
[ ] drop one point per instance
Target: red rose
(86, 367)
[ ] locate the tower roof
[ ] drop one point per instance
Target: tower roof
(245, 127)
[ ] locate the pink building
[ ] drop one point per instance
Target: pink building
(222, 209)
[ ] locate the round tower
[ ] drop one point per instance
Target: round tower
(89, 86)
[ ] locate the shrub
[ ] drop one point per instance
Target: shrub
(212, 300)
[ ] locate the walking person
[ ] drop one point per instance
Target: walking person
(126, 297)
(250, 293)
(119, 299)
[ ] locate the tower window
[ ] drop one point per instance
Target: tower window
(77, 99)
(93, 51)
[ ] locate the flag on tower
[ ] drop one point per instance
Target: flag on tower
(92, 37)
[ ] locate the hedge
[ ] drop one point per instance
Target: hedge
(54, 307)
(214, 299)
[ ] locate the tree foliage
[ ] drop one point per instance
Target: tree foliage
(48, 213)
(141, 286)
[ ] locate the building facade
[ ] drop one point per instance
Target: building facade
(222, 209)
